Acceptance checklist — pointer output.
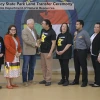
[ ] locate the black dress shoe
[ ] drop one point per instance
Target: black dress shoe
(74, 83)
(47, 83)
(61, 82)
(95, 85)
(84, 85)
(66, 83)
(42, 82)
(91, 84)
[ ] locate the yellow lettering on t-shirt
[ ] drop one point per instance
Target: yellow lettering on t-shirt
(59, 42)
(43, 38)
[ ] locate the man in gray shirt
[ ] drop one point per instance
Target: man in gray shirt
(81, 46)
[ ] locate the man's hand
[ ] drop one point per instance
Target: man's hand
(39, 42)
(37, 45)
(49, 55)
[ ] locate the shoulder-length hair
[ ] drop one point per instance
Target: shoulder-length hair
(67, 31)
(9, 28)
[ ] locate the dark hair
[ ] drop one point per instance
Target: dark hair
(98, 23)
(48, 22)
(9, 28)
(81, 22)
(67, 27)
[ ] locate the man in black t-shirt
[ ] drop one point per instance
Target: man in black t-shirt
(48, 40)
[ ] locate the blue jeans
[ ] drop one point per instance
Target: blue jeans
(28, 72)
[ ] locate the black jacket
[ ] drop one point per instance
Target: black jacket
(96, 45)
(2, 50)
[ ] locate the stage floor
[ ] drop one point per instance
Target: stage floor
(54, 92)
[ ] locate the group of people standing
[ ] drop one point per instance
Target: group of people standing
(11, 50)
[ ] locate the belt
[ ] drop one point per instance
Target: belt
(13, 64)
(80, 49)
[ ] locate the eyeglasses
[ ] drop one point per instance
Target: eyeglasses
(13, 29)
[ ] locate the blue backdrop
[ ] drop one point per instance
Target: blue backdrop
(88, 10)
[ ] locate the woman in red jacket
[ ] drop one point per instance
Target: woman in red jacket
(12, 54)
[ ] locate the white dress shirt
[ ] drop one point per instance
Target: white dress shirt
(33, 34)
(92, 38)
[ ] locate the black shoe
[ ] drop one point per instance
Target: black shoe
(66, 83)
(61, 82)
(91, 84)
(47, 83)
(95, 85)
(0, 87)
(84, 85)
(74, 83)
(42, 82)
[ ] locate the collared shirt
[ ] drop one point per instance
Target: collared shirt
(82, 40)
(92, 38)
(32, 33)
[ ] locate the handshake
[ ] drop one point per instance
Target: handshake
(38, 46)
(38, 43)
